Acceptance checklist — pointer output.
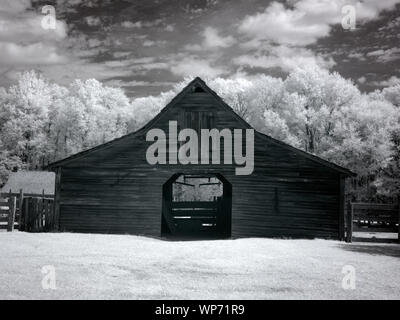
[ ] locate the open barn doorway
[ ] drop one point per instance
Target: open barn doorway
(197, 206)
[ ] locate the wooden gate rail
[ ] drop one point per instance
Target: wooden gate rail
(196, 216)
(8, 214)
(27, 212)
(386, 216)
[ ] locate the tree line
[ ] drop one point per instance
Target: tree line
(312, 109)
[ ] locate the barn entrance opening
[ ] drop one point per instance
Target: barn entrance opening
(197, 206)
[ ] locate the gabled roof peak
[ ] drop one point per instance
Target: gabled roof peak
(190, 88)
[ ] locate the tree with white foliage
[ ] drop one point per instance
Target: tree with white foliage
(325, 114)
(312, 109)
(24, 118)
(41, 122)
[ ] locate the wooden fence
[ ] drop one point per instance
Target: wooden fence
(8, 213)
(372, 217)
(27, 212)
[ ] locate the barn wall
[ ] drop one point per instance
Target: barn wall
(287, 195)
(115, 190)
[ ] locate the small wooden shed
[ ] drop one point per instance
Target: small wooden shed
(112, 188)
(30, 182)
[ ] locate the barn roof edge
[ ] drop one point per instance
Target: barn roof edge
(153, 121)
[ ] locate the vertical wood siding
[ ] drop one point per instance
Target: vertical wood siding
(115, 190)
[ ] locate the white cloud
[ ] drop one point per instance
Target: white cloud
(31, 54)
(23, 40)
(63, 75)
(130, 24)
(137, 83)
(14, 6)
(307, 20)
(193, 67)
(82, 69)
(211, 40)
(144, 60)
(27, 26)
(385, 55)
(357, 55)
(93, 21)
(121, 54)
(282, 25)
(150, 66)
(280, 33)
(148, 43)
(169, 28)
(117, 63)
(137, 64)
(375, 53)
(94, 42)
(284, 57)
(193, 47)
(362, 80)
(151, 43)
(141, 24)
(392, 81)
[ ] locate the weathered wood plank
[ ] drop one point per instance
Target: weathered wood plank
(57, 197)
(26, 214)
(342, 208)
(11, 214)
(349, 233)
(375, 207)
(20, 207)
(194, 204)
(398, 213)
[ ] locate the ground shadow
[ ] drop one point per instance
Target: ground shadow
(391, 250)
(375, 240)
(191, 238)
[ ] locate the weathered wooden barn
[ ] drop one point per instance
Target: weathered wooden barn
(113, 189)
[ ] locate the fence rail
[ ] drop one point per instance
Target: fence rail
(27, 212)
(372, 217)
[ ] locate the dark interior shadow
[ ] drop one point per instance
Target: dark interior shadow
(391, 250)
(375, 240)
(191, 238)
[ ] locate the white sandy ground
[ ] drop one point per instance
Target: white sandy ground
(90, 266)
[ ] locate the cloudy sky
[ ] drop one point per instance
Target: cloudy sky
(146, 46)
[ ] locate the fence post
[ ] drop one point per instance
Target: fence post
(46, 215)
(33, 213)
(26, 214)
(349, 233)
(21, 200)
(42, 213)
(342, 208)
(56, 204)
(49, 215)
(11, 212)
(398, 218)
(38, 214)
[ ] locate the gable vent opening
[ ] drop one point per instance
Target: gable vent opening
(197, 89)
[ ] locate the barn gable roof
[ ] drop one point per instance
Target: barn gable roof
(194, 85)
